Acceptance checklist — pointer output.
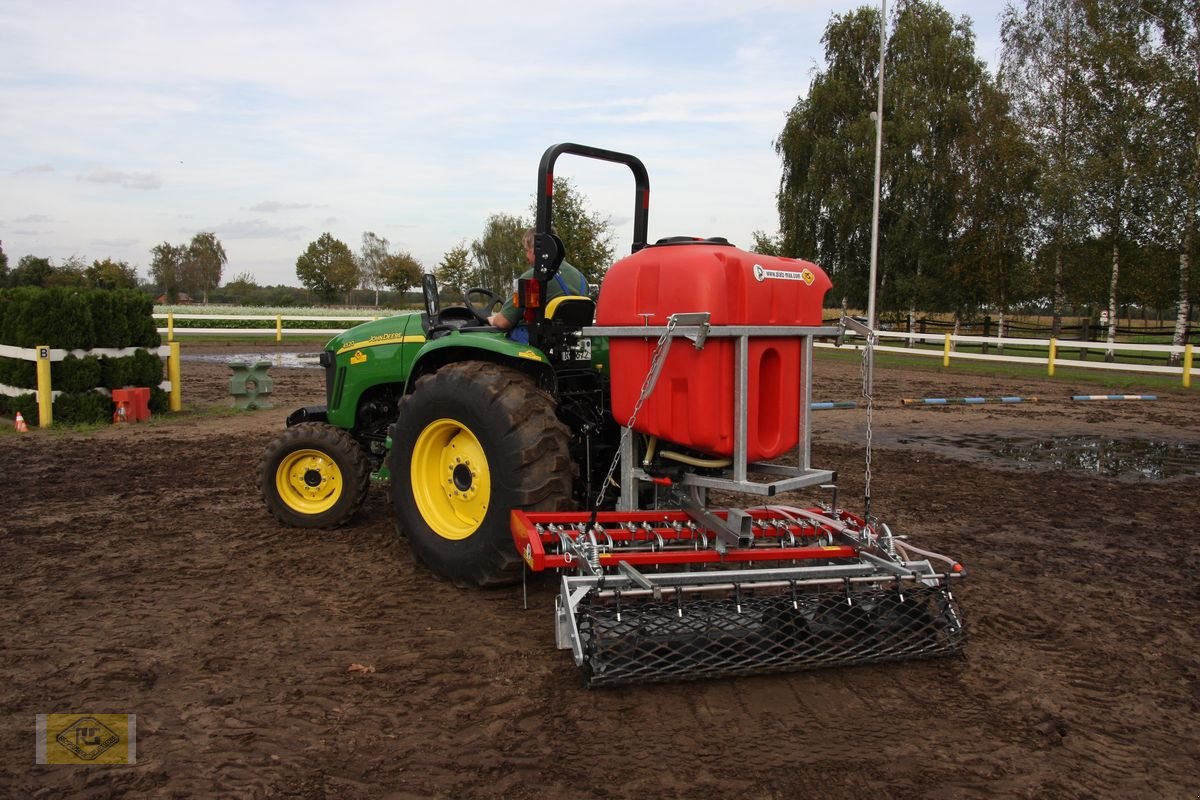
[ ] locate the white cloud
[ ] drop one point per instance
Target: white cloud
(256, 229)
(33, 169)
(126, 180)
(272, 206)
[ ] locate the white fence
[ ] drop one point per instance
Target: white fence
(279, 331)
(946, 342)
(1052, 359)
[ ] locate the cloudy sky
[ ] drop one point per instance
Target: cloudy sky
(127, 124)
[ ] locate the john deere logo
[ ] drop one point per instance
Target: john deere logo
(359, 357)
(87, 739)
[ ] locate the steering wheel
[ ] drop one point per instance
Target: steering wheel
(492, 302)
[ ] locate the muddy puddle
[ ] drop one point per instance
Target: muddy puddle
(1143, 459)
(284, 360)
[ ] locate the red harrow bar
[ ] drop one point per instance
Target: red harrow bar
(674, 595)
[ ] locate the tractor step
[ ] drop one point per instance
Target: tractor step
(678, 595)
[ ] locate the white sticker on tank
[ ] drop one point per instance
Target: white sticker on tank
(761, 273)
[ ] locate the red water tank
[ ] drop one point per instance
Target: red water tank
(693, 402)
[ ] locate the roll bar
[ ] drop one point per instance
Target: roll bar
(547, 249)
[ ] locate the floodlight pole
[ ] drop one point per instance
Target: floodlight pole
(878, 159)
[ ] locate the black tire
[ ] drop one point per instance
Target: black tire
(314, 476)
(474, 441)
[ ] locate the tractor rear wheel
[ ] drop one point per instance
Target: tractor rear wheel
(475, 440)
(314, 476)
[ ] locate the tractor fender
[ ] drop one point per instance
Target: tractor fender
(458, 347)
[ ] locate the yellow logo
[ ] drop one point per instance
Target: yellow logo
(359, 357)
(807, 276)
(527, 554)
(530, 354)
(86, 738)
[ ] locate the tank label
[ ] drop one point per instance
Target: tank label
(761, 274)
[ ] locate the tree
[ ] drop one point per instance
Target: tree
(827, 153)
(3, 267)
(500, 252)
(327, 268)
(166, 266)
(992, 262)
(371, 258)
(935, 81)
(70, 273)
(586, 235)
(400, 271)
(109, 274)
(31, 271)
(1118, 138)
(1040, 68)
(455, 272)
(1178, 122)
(766, 244)
(827, 149)
(242, 287)
(204, 263)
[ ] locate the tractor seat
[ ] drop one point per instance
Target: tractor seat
(571, 310)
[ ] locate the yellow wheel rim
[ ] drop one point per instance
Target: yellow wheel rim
(451, 482)
(308, 481)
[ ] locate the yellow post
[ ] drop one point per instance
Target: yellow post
(946, 352)
(1187, 366)
(176, 401)
(170, 326)
(44, 390)
(278, 328)
(1050, 359)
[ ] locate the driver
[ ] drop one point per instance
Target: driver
(568, 281)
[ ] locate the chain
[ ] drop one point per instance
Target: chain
(659, 356)
(868, 390)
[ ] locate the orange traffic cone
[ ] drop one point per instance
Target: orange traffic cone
(21, 426)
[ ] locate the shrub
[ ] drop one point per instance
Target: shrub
(82, 408)
(74, 374)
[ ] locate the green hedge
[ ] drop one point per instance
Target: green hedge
(79, 319)
(76, 319)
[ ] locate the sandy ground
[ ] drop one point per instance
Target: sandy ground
(143, 575)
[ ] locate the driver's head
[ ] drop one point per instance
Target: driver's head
(529, 246)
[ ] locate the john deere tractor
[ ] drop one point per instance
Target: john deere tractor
(478, 424)
(590, 452)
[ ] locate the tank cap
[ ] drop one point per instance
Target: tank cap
(672, 240)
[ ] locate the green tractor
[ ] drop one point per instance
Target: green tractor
(467, 423)
(503, 456)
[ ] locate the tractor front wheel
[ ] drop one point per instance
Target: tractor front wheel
(314, 476)
(475, 440)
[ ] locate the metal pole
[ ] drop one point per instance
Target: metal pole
(878, 159)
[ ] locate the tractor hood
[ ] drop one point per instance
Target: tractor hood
(393, 330)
